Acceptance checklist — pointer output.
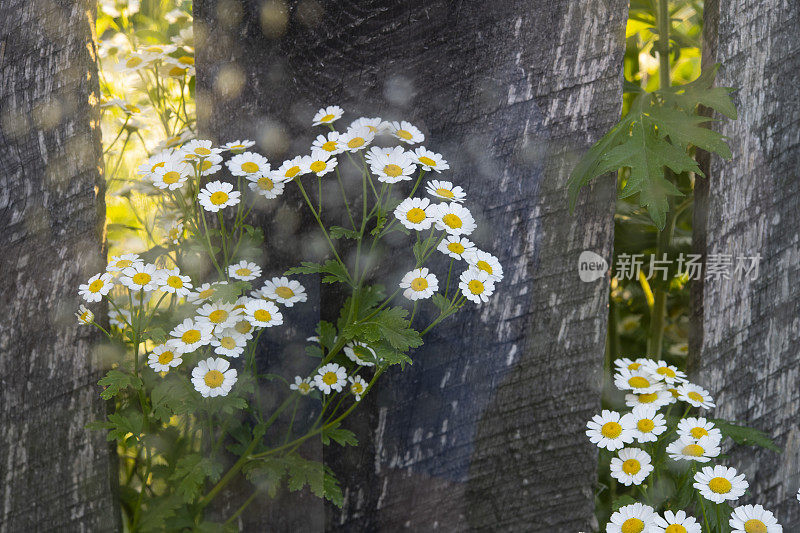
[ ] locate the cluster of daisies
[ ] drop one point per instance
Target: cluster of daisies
(333, 378)
(649, 386)
(174, 60)
(216, 325)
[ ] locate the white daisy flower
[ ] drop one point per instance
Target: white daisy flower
(229, 342)
(720, 483)
(97, 287)
(372, 124)
(178, 67)
(697, 428)
(119, 318)
(657, 399)
(633, 518)
(630, 364)
(360, 353)
(266, 186)
(695, 396)
(198, 149)
(665, 372)
(609, 430)
(263, 314)
(328, 115)
(192, 335)
(754, 519)
(444, 190)
(357, 138)
(486, 262)
(133, 63)
(244, 327)
(303, 386)
(120, 262)
(406, 132)
(156, 51)
(357, 387)
(204, 292)
(244, 270)
(631, 466)
(429, 160)
(330, 377)
(678, 522)
(171, 280)
(476, 285)
(84, 315)
(646, 422)
(419, 284)
(213, 377)
(156, 161)
(209, 165)
(172, 175)
(456, 246)
(248, 163)
(217, 195)
(415, 213)
(238, 146)
(220, 315)
(165, 356)
(175, 232)
(290, 169)
(455, 219)
(637, 381)
(319, 162)
(701, 450)
(329, 143)
(390, 165)
(140, 277)
(284, 291)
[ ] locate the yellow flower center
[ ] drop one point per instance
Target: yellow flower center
(205, 165)
(327, 118)
(265, 184)
(452, 221)
(611, 430)
(133, 62)
(632, 525)
(206, 293)
(171, 177)
(419, 284)
(483, 265)
(416, 215)
(175, 282)
(675, 528)
(634, 366)
(292, 172)
(243, 271)
(219, 198)
(329, 378)
(154, 49)
(96, 285)
(214, 378)
(755, 526)
(165, 357)
(456, 248)
(698, 432)
(666, 371)
(142, 278)
(638, 382)
(329, 146)
(404, 134)
(303, 387)
(425, 160)
(631, 467)
(284, 292)
(318, 166)
(475, 286)
(176, 72)
(355, 142)
(648, 398)
(445, 193)
(357, 388)
(86, 316)
(202, 151)
(228, 343)
(674, 392)
(392, 170)
(720, 485)
(243, 327)
(186, 60)
(218, 316)
(262, 315)
(645, 425)
(695, 396)
(693, 450)
(191, 336)
(250, 167)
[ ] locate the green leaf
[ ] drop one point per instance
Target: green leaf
(389, 356)
(342, 436)
(152, 254)
(157, 335)
(157, 512)
(622, 501)
(303, 472)
(685, 130)
(391, 325)
(190, 473)
(331, 489)
(441, 303)
(335, 270)
(327, 334)
(123, 425)
(115, 381)
(746, 435)
(171, 397)
(266, 474)
(337, 232)
(700, 91)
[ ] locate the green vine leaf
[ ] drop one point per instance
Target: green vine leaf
(343, 437)
(115, 381)
(746, 435)
(336, 273)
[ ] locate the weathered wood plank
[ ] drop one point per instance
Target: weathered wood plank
(56, 475)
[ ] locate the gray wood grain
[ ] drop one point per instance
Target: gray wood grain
(485, 430)
(55, 475)
(745, 339)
